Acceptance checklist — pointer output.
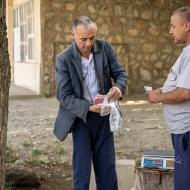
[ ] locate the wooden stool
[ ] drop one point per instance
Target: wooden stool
(153, 179)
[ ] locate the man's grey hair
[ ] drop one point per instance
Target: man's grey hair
(82, 20)
(184, 13)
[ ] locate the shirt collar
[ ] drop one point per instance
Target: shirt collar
(186, 48)
(85, 59)
(95, 48)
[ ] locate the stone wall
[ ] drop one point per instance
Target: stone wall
(138, 30)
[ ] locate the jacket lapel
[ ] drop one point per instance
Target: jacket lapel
(77, 63)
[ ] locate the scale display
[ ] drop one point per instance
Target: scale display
(158, 159)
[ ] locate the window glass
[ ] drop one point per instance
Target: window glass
(24, 32)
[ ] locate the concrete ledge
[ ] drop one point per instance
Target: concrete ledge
(125, 173)
(126, 162)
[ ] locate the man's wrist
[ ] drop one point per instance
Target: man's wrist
(90, 108)
(162, 98)
(160, 90)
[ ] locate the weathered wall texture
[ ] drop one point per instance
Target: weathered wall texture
(138, 30)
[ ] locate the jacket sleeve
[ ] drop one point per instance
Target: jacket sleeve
(65, 92)
(118, 74)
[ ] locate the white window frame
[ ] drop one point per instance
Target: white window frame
(24, 40)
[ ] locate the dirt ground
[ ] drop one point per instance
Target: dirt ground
(30, 138)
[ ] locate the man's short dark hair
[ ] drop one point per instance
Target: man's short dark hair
(82, 20)
(184, 13)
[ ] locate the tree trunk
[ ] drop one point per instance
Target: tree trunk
(4, 89)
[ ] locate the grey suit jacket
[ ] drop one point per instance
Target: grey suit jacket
(69, 83)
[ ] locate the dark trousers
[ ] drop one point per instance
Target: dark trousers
(93, 143)
(181, 144)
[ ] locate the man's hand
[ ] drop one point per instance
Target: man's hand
(95, 108)
(155, 96)
(114, 93)
(175, 96)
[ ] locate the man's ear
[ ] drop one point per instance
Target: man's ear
(188, 27)
(72, 34)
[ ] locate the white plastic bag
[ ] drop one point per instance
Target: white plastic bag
(105, 107)
(115, 116)
(113, 109)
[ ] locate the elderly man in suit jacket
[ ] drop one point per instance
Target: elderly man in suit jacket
(83, 70)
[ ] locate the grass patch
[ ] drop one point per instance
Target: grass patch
(9, 186)
(36, 162)
(27, 144)
(10, 155)
(61, 151)
(36, 152)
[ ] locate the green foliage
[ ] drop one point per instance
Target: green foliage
(9, 186)
(36, 152)
(61, 151)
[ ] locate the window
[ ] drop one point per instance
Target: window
(24, 32)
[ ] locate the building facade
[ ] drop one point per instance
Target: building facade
(138, 30)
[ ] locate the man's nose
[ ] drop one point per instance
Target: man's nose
(170, 31)
(89, 42)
